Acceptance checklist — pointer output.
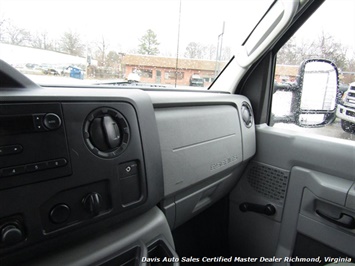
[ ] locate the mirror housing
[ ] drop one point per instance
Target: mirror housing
(314, 94)
(319, 81)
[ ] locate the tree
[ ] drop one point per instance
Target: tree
(211, 52)
(226, 53)
(3, 21)
(195, 50)
(112, 59)
(148, 43)
(70, 43)
(17, 35)
(286, 55)
(40, 40)
(328, 47)
(100, 52)
(294, 52)
(325, 46)
(200, 51)
(349, 75)
(350, 64)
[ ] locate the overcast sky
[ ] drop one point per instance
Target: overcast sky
(123, 22)
(336, 17)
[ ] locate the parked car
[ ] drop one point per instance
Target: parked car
(346, 109)
(196, 81)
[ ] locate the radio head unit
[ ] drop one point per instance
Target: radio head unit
(33, 145)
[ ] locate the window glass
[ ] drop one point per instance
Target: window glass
(328, 35)
(106, 39)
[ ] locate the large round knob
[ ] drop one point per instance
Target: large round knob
(52, 121)
(92, 203)
(105, 133)
(11, 234)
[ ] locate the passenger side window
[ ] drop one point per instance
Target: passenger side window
(326, 37)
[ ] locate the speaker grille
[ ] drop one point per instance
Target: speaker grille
(268, 181)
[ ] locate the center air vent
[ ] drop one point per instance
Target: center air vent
(106, 132)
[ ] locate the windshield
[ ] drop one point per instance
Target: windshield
(113, 42)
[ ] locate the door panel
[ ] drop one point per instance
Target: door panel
(318, 173)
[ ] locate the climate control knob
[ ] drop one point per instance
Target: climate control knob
(92, 203)
(106, 132)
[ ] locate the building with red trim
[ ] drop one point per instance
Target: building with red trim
(165, 70)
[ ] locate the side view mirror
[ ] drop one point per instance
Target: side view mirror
(314, 94)
(318, 90)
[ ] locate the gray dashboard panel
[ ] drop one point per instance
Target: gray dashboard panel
(164, 99)
(197, 142)
(203, 128)
(205, 146)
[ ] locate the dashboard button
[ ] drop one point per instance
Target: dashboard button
(36, 167)
(128, 169)
(11, 234)
(16, 170)
(37, 121)
(57, 163)
(52, 121)
(13, 149)
(59, 213)
(37, 118)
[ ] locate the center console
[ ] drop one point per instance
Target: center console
(74, 171)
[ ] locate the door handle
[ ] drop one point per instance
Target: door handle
(267, 209)
(344, 220)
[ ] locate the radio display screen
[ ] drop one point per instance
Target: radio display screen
(16, 124)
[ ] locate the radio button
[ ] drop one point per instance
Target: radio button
(37, 121)
(36, 167)
(57, 163)
(13, 171)
(52, 121)
(13, 149)
(37, 118)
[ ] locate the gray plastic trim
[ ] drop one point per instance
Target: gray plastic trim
(145, 228)
(166, 99)
(350, 200)
(286, 148)
(245, 192)
(262, 242)
(316, 227)
(326, 187)
(197, 143)
(333, 237)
